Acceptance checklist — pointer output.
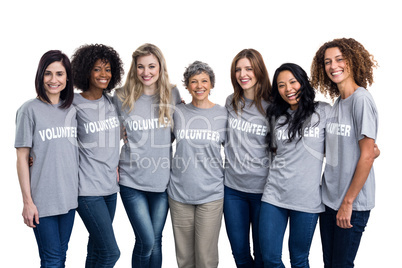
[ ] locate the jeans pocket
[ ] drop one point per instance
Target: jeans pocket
(359, 220)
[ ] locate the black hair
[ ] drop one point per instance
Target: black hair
(84, 59)
(279, 107)
(67, 94)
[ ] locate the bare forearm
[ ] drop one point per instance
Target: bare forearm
(359, 179)
(23, 174)
(360, 176)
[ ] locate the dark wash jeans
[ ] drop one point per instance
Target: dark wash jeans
(97, 213)
(340, 245)
(241, 210)
(52, 235)
(273, 223)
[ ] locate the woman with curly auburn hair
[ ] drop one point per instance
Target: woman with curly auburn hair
(343, 68)
(247, 163)
(96, 70)
(145, 106)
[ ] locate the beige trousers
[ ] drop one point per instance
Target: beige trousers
(196, 233)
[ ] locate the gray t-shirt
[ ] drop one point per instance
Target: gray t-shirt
(99, 142)
(145, 159)
(51, 133)
(247, 162)
(349, 121)
(197, 167)
(295, 174)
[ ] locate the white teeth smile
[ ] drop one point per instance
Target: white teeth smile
(53, 86)
(336, 73)
(291, 95)
(103, 80)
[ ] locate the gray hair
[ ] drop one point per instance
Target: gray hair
(196, 68)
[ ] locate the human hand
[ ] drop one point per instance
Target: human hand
(30, 214)
(124, 135)
(376, 151)
(118, 175)
(344, 215)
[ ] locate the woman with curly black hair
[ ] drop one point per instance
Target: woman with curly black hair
(343, 68)
(292, 192)
(96, 70)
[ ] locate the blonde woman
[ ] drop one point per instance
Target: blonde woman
(144, 105)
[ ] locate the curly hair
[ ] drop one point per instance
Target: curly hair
(133, 87)
(358, 59)
(84, 59)
(279, 107)
(196, 68)
(262, 87)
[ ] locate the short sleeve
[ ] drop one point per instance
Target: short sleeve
(365, 117)
(176, 98)
(24, 130)
(228, 102)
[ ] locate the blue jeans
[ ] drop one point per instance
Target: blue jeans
(97, 213)
(241, 210)
(52, 235)
(339, 246)
(147, 212)
(273, 222)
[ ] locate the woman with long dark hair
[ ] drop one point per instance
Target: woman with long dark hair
(247, 163)
(46, 129)
(292, 192)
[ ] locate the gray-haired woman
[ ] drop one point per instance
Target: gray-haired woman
(196, 184)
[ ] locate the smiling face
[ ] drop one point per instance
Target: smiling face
(245, 76)
(288, 88)
(336, 66)
(101, 74)
(54, 79)
(148, 71)
(199, 87)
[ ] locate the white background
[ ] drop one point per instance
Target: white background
(214, 32)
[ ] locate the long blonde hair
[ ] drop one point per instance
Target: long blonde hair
(133, 88)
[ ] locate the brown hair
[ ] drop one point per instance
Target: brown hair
(358, 59)
(263, 85)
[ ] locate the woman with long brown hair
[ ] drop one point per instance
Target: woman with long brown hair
(247, 162)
